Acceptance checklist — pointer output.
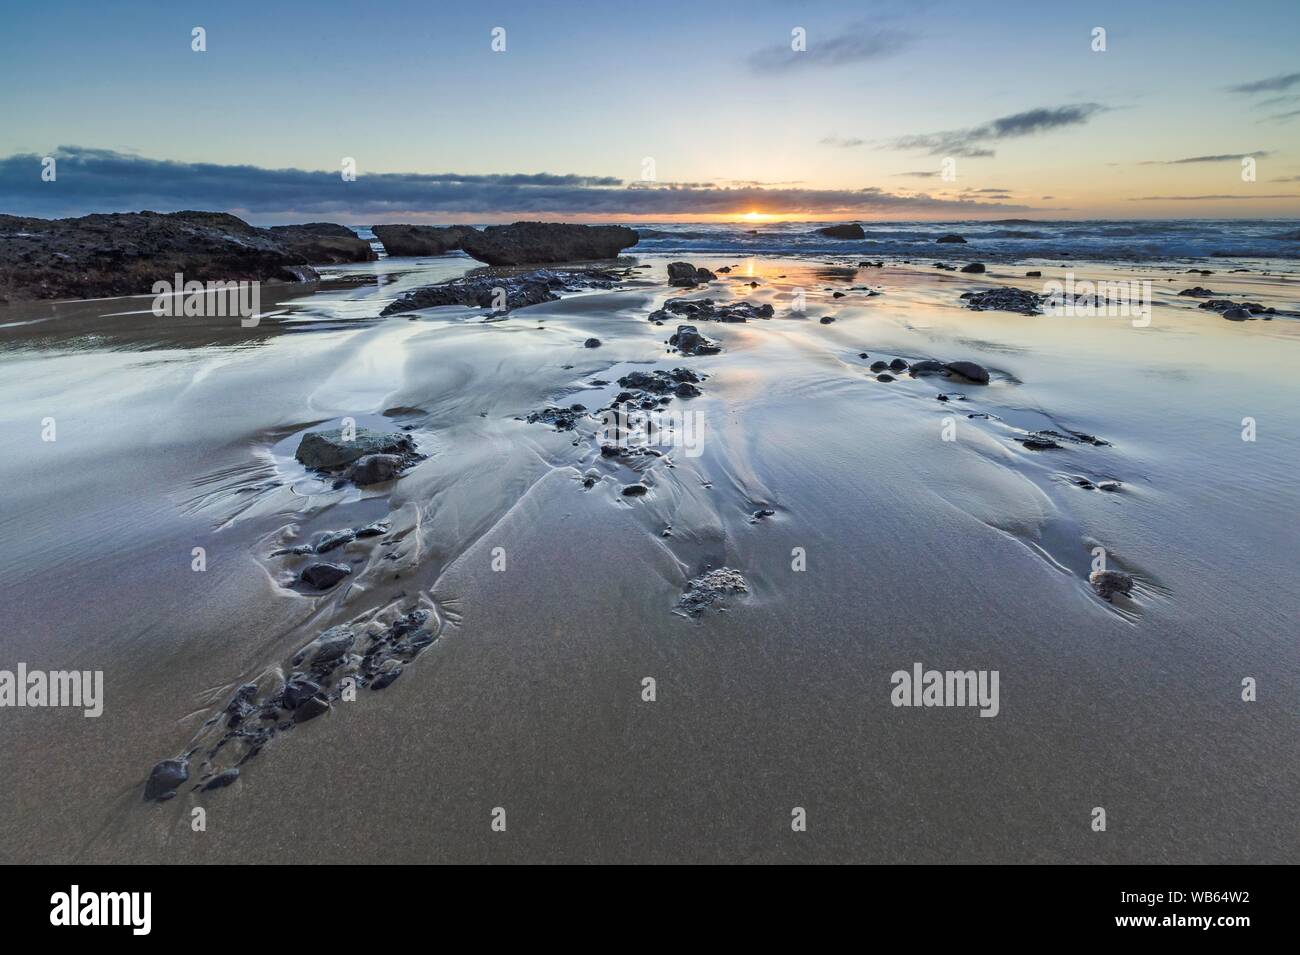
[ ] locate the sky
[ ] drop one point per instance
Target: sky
(652, 111)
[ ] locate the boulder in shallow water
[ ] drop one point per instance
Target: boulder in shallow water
(975, 268)
(969, 370)
(1108, 583)
(524, 243)
(376, 469)
(686, 275)
(849, 231)
(704, 591)
(331, 451)
(689, 341)
(951, 238)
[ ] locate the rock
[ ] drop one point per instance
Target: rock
(708, 588)
(1111, 486)
(1033, 275)
(310, 708)
(421, 239)
(951, 237)
(897, 364)
(165, 777)
(328, 451)
(1036, 443)
(885, 377)
(376, 529)
(591, 343)
(323, 243)
(1237, 314)
(826, 319)
(927, 366)
(879, 365)
(333, 644)
(975, 268)
(634, 490)
(1197, 292)
(760, 514)
(113, 254)
(969, 370)
(685, 275)
(222, 779)
(706, 310)
(688, 340)
(852, 231)
(323, 576)
(335, 539)
(686, 390)
(1108, 583)
(504, 293)
(376, 469)
(524, 243)
(564, 419)
(298, 690)
(386, 678)
(1005, 300)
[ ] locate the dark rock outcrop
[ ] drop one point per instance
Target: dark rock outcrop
(688, 340)
(850, 231)
(952, 237)
(502, 292)
(526, 243)
(706, 310)
(324, 243)
(126, 253)
(421, 239)
(685, 275)
(975, 268)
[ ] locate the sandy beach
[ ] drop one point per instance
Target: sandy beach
(875, 526)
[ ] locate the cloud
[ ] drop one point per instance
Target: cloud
(857, 43)
(1200, 198)
(1221, 157)
(1272, 84)
(920, 174)
(842, 143)
(1287, 115)
(972, 142)
(97, 180)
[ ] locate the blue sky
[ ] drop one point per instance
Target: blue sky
(855, 126)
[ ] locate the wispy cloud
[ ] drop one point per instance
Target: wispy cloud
(855, 43)
(1220, 157)
(974, 141)
(1288, 115)
(1205, 198)
(1272, 84)
(840, 142)
(97, 180)
(920, 174)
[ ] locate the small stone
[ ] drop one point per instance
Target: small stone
(591, 343)
(323, 576)
(1108, 583)
(335, 539)
(310, 708)
(165, 777)
(634, 490)
(222, 779)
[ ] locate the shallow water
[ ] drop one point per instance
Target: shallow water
(969, 553)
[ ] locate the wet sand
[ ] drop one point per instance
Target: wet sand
(964, 554)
